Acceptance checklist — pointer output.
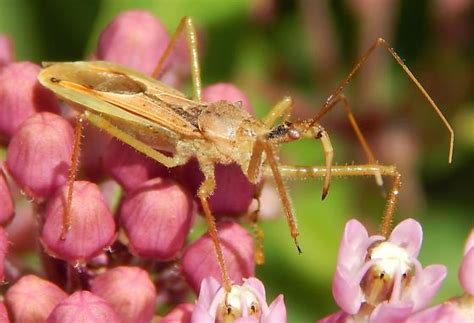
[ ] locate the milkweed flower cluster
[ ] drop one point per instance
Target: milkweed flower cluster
(122, 256)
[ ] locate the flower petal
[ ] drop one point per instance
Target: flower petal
(446, 312)
(466, 272)
(338, 317)
(276, 311)
(469, 242)
(408, 234)
(200, 315)
(424, 286)
(346, 291)
(390, 312)
(209, 289)
(353, 247)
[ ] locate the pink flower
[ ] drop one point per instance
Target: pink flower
(6, 201)
(129, 291)
(3, 252)
(83, 306)
(31, 299)
(21, 96)
(382, 278)
(179, 314)
(129, 167)
(244, 303)
(157, 217)
(466, 270)
(134, 38)
(39, 154)
(199, 260)
(92, 224)
(6, 50)
(459, 309)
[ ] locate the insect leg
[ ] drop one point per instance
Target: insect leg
(167, 161)
(257, 231)
(295, 172)
(355, 126)
(285, 200)
(381, 42)
(205, 190)
(67, 216)
(282, 108)
(186, 25)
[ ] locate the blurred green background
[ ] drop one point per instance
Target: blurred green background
(273, 48)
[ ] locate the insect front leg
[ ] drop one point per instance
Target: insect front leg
(355, 126)
(380, 42)
(283, 109)
(186, 25)
(302, 172)
(204, 191)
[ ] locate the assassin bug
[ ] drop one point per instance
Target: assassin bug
(153, 117)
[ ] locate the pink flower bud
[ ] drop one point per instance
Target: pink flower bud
(228, 92)
(157, 217)
(3, 251)
(129, 167)
(6, 50)
(92, 224)
(93, 150)
(3, 313)
(6, 202)
(83, 306)
(129, 291)
(21, 95)
(199, 260)
(233, 193)
(39, 154)
(179, 314)
(31, 299)
(134, 38)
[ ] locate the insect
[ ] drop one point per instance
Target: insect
(153, 117)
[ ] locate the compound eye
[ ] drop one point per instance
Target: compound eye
(294, 134)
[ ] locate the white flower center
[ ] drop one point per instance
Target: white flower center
(390, 258)
(391, 270)
(239, 302)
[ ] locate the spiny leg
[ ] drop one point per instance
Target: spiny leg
(257, 231)
(362, 60)
(355, 126)
(296, 172)
(205, 190)
(67, 216)
(186, 25)
(285, 200)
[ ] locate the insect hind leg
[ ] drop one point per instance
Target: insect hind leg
(186, 25)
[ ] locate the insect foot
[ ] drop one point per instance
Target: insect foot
(39, 154)
(18, 299)
(21, 96)
(91, 224)
(135, 304)
(157, 217)
(199, 260)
